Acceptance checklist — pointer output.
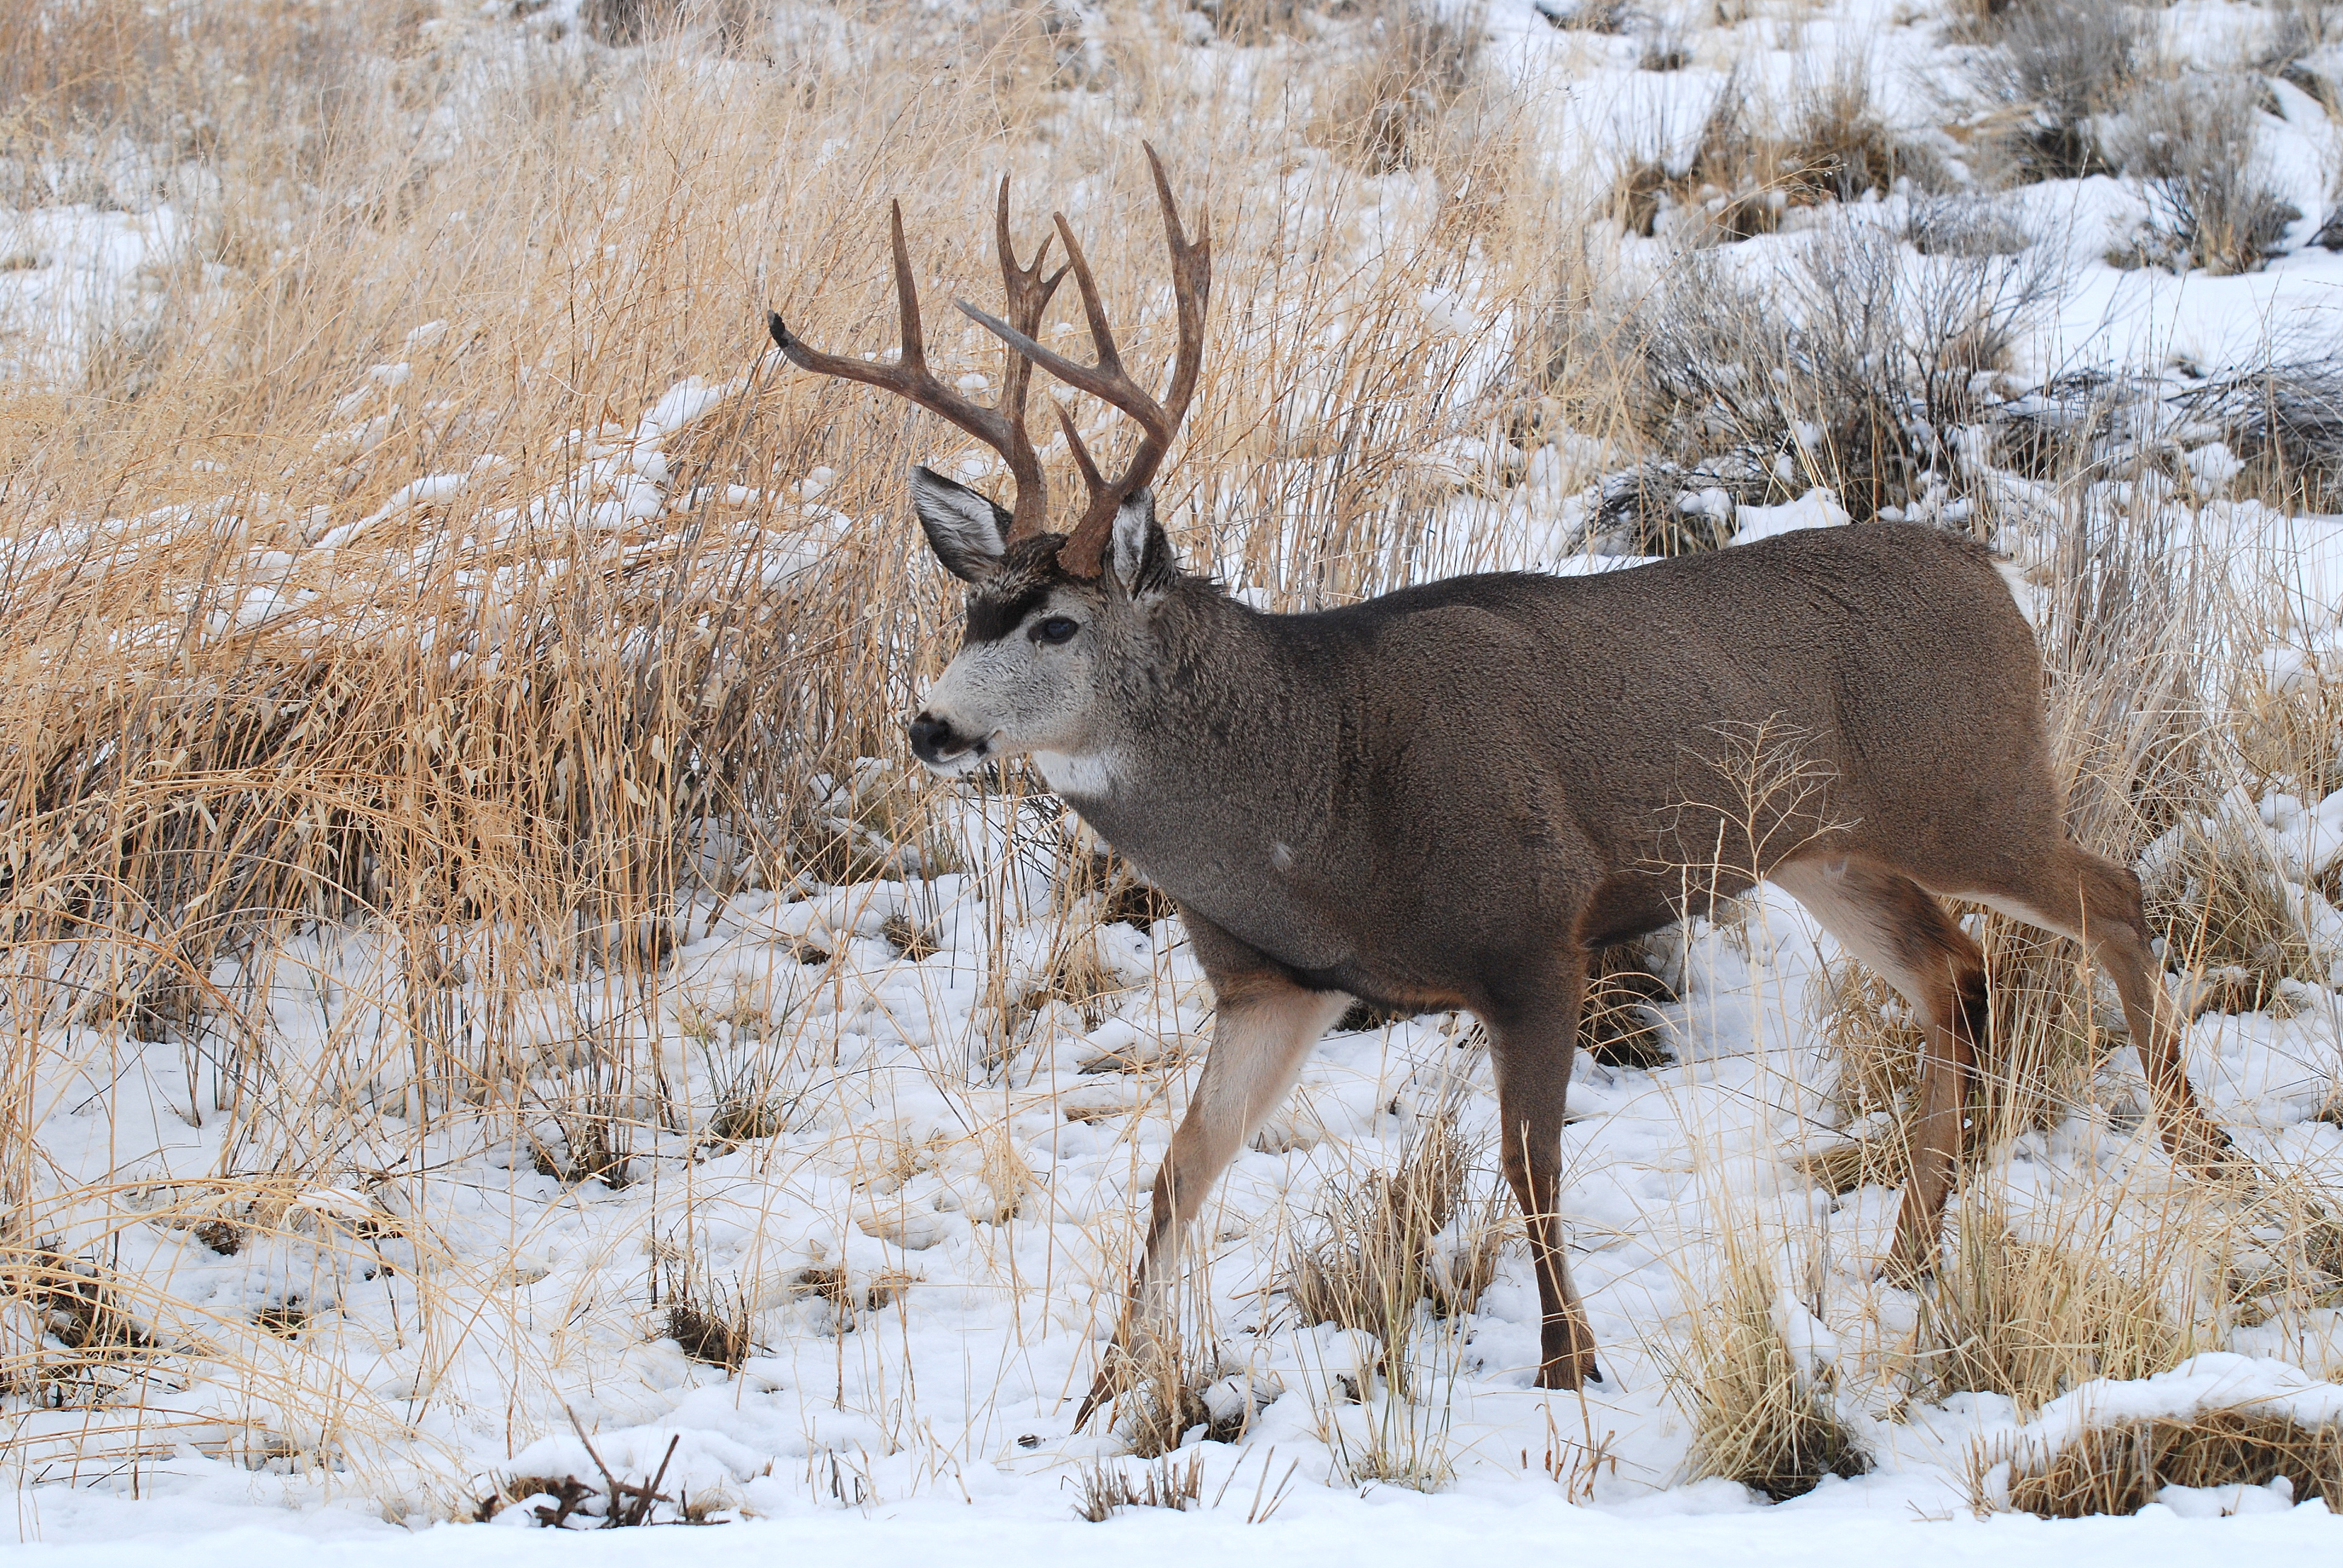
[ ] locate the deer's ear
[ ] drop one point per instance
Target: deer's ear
(1139, 554)
(964, 528)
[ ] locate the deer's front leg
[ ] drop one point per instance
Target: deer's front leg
(1263, 1028)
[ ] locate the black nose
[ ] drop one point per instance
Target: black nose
(931, 738)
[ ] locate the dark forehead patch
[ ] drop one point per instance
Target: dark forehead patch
(994, 614)
(1027, 572)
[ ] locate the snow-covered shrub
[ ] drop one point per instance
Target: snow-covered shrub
(2284, 418)
(2193, 142)
(1764, 1382)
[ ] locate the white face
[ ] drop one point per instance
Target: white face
(1025, 681)
(1034, 676)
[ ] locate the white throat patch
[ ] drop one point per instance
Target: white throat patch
(1090, 776)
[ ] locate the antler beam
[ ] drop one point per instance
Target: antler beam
(1001, 427)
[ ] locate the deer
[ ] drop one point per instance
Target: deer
(1455, 795)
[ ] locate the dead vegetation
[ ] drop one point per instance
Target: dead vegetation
(1104, 1488)
(1765, 1411)
(1847, 372)
(2193, 142)
(2052, 69)
(2032, 1319)
(1416, 1236)
(1389, 106)
(1745, 177)
(2120, 1467)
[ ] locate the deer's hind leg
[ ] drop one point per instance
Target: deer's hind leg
(2075, 893)
(1896, 928)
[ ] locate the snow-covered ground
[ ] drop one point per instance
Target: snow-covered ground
(924, 1236)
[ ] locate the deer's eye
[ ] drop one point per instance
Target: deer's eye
(1057, 629)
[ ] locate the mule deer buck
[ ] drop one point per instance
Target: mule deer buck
(1452, 795)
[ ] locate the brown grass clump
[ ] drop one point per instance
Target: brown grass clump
(2193, 141)
(2055, 67)
(1618, 1025)
(1743, 178)
(1387, 1245)
(1387, 109)
(2119, 1467)
(1759, 1417)
(2227, 911)
(2032, 1319)
(1875, 1048)
(1103, 1488)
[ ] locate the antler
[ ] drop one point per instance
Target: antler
(1191, 287)
(1001, 427)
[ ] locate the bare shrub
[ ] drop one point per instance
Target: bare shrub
(1254, 22)
(2057, 66)
(2193, 142)
(615, 1505)
(1843, 374)
(2119, 1467)
(2285, 419)
(1665, 49)
(1964, 225)
(1763, 1415)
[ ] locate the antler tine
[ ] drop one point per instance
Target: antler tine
(1090, 476)
(907, 376)
(1191, 284)
(1028, 294)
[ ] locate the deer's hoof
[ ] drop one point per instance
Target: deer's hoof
(1569, 1373)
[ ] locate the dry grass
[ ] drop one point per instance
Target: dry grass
(1747, 174)
(1103, 1488)
(1418, 1236)
(2031, 1319)
(1763, 1414)
(2121, 1466)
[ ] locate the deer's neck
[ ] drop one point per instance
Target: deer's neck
(1219, 779)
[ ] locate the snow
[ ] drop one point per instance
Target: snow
(1392, 1527)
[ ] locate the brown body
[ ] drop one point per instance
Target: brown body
(1452, 795)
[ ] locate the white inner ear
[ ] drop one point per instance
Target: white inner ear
(966, 514)
(1131, 521)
